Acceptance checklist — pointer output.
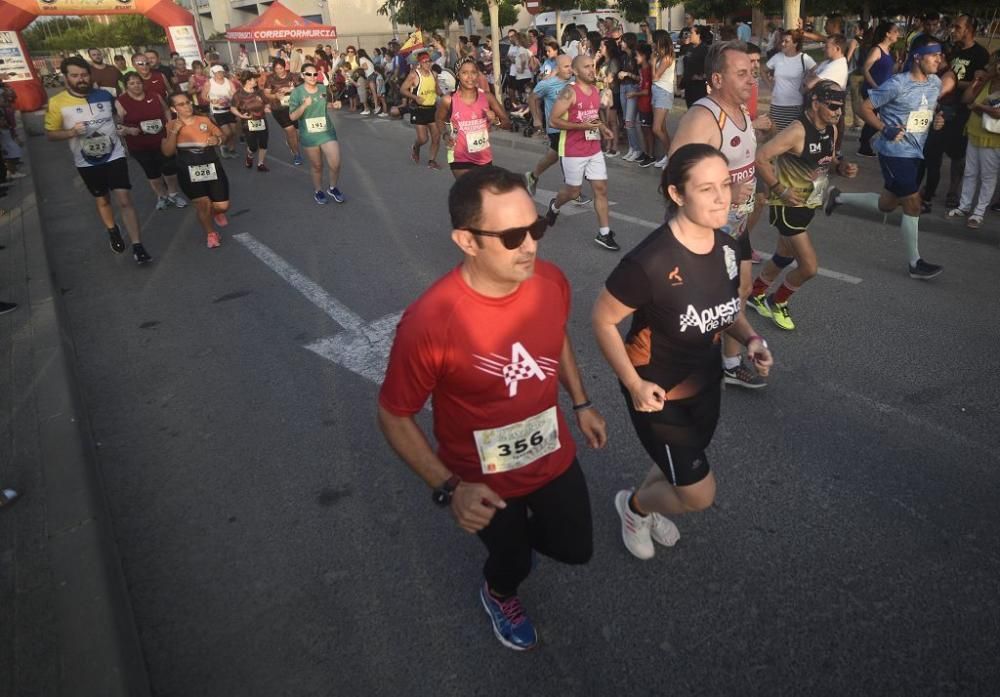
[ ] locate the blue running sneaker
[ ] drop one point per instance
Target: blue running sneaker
(510, 625)
(297, 160)
(320, 198)
(335, 194)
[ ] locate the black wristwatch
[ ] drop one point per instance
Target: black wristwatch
(442, 495)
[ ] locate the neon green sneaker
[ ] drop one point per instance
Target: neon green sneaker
(759, 303)
(779, 313)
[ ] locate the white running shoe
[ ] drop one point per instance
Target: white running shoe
(162, 203)
(957, 213)
(630, 156)
(366, 112)
(664, 531)
(635, 529)
(178, 200)
(661, 163)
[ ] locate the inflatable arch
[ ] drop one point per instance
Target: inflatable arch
(15, 64)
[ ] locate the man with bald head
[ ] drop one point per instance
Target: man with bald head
(577, 115)
(541, 101)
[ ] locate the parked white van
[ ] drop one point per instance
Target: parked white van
(545, 22)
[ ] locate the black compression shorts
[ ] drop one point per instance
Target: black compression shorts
(422, 115)
(676, 436)
(791, 221)
(154, 163)
(282, 116)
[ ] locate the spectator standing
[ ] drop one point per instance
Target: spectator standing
(786, 71)
(664, 80)
(982, 159)
(694, 83)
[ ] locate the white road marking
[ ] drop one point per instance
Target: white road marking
(543, 196)
(363, 348)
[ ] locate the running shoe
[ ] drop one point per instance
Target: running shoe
(366, 112)
(248, 161)
(432, 164)
(755, 257)
(780, 314)
(220, 219)
(320, 198)
(511, 626)
(162, 203)
(551, 216)
(646, 161)
(635, 528)
(140, 254)
(607, 241)
(378, 111)
(116, 241)
(178, 200)
(16, 175)
(974, 222)
(335, 193)
(926, 207)
(741, 376)
(7, 307)
(759, 303)
(924, 271)
(582, 200)
(661, 163)
(663, 531)
(382, 115)
(611, 153)
(630, 156)
(213, 240)
(831, 200)
(297, 160)
(263, 168)
(530, 182)
(957, 213)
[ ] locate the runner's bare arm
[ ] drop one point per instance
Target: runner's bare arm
(497, 108)
(441, 115)
(535, 106)
(561, 108)
(407, 86)
(697, 126)
(791, 140)
(607, 314)
(757, 350)
(590, 421)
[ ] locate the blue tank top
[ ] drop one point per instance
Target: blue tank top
(882, 69)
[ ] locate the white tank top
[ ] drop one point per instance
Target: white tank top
(220, 95)
(668, 79)
(739, 145)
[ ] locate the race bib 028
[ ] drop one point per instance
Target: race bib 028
(203, 173)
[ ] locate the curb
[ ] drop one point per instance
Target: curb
(99, 652)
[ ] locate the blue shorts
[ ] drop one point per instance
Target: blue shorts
(901, 175)
(662, 99)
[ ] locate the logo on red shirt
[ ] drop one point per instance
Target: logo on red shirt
(521, 365)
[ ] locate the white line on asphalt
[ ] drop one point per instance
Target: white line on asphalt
(336, 310)
(835, 275)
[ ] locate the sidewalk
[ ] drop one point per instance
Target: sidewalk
(65, 622)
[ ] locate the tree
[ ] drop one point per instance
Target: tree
(74, 33)
(507, 10)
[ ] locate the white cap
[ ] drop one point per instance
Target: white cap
(217, 69)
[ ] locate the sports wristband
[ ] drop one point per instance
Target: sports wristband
(756, 336)
(890, 132)
(585, 405)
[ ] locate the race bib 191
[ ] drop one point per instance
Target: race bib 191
(919, 121)
(256, 124)
(478, 141)
(316, 124)
(202, 173)
(519, 444)
(151, 127)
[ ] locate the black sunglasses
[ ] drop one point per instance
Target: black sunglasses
(513, 238)
(309, 74)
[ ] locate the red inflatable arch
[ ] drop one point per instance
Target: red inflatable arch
(15, 62)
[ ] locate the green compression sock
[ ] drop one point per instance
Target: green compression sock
(909, 228)
(867, 201)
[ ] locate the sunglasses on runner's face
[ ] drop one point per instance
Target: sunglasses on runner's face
(513, 238)
(833, 107)
(309, 74)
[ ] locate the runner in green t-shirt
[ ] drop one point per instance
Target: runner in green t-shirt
(308, 104)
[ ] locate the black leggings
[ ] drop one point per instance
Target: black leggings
(560, 527)
(256, 140)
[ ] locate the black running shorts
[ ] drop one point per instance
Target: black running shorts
(224, 118)
(789, 220)
(154, 163)
(422, 115)
(676, 436)
(283, 117)
(110, 176)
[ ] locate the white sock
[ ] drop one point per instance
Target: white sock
(604, 230)
(910, 233)
(730, 362)
(867, 201)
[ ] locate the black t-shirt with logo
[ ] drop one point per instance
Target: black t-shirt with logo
(683, 302)
(964, 62)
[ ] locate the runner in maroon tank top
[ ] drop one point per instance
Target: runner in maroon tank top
(465, 119)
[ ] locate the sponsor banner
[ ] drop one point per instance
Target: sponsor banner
(279, 34)
(70, 6)
(13, 65)
(185, 42)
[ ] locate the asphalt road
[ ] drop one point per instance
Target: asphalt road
(273, 545)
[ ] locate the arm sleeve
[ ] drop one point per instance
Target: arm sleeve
(629, 284)
(414, 365)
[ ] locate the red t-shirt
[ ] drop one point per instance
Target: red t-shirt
(752, 103)
(487, 363)
(156, 83)
(645, 102)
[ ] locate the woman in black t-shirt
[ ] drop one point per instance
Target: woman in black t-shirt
(681, 287)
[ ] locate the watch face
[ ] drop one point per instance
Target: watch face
(441, 497)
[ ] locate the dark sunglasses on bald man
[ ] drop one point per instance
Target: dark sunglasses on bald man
(512, 238)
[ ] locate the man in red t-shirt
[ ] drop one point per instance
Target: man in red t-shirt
(487, 343)
(154, 82)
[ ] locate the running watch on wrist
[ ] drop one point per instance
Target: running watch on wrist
(442, 495)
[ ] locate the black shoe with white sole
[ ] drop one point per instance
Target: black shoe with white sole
(116, 241)
(607, 241)
(924, 271)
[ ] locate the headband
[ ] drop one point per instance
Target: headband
(924, 50)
